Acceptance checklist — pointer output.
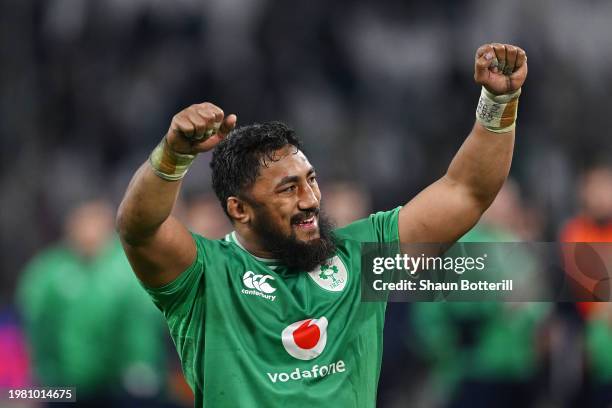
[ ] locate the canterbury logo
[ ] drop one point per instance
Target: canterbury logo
(258, 285)
(258, 282)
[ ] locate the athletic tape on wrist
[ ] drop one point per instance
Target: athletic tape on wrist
(497, 113)
(168, 164)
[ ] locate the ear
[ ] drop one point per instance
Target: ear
(239, 210)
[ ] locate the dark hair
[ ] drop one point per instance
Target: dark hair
(237, 159)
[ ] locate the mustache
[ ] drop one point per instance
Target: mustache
(304, 215)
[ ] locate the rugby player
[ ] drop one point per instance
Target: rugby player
(271, 315)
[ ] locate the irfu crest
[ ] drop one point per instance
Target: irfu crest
(331, 276)
(329, 271)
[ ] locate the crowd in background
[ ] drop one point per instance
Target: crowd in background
(382, 95)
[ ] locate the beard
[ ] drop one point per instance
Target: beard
(293, 253)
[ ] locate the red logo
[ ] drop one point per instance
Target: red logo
(305, 339)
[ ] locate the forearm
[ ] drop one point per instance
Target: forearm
(482, 163)
(448, 208)
(157, 245)
(147, 203)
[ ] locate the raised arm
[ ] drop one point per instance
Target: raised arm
(449, 207)
(158, 246)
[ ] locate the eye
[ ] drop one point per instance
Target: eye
(312, 179)
(289, 189)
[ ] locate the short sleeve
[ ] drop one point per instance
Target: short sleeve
(379, 227)
(184, 290)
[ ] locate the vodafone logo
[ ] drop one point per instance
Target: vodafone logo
(305, 339)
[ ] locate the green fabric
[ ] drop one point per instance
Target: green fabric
(480, 340)
(228, 335)
(598, 348)
(87, 321)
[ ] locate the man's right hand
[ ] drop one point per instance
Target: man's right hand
(199, 128)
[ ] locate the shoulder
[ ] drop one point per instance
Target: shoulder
(378, 227)
(212, 255)
(42, 271)
(49, 257)
(213, 248)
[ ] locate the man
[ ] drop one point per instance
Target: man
(487, 354)
(588, 269)
(271, 315)
(107, 341)
(593, 224)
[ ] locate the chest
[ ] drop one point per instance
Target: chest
(251, 306)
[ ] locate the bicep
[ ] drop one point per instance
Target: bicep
(163, 256)
(442, 213)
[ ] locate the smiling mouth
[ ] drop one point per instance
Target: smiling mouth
(307, 223)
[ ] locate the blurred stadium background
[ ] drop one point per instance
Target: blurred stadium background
(382, 95)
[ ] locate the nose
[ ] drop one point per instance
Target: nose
(308, 198)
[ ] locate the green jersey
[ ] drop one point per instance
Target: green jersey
(251, 333)
(82, 330)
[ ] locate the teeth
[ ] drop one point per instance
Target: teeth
(306, 221)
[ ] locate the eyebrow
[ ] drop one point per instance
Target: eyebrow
(293, 179)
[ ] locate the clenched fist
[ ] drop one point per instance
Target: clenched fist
(500, 68)
(199, 128)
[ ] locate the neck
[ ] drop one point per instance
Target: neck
(250, 243)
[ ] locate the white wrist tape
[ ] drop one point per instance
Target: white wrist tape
(497, 113)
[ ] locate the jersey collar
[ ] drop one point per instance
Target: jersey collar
(270, 263)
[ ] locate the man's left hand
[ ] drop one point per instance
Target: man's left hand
(500, 68)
